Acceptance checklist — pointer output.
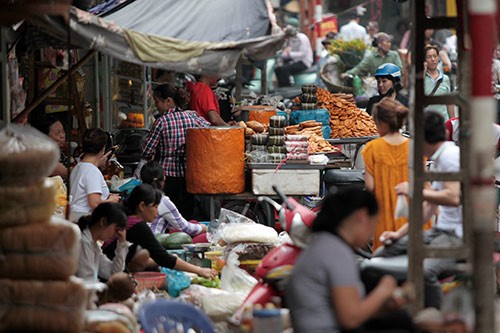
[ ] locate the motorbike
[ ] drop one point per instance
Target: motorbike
(275, 268)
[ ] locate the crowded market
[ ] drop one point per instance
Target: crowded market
(252, 166)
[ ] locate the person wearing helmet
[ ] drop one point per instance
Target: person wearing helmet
(389, 85)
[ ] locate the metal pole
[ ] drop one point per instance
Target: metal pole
(5, 77)
(263, 79)
(318, 17)
(482, 105)
(106, 92)
(238, 79)
(416, 170)
(145, 84)
(97, 113)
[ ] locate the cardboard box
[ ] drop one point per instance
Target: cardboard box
(289, 181)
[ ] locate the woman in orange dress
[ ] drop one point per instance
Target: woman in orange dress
(386, 163)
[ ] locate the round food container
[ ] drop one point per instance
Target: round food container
(309, 89)
(308, 98)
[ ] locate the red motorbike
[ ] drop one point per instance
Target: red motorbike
(275, 268)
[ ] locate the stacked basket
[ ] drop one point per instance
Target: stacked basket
(39, 252)
(276, 140)
(308, 99)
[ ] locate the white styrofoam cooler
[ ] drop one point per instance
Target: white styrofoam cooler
(289, 181)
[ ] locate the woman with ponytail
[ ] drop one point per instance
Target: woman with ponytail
(386, 163)
(166, 143)
(142, 208)
(108, 221)
(169, 218)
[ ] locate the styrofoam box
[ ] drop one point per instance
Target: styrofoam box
(289, 181)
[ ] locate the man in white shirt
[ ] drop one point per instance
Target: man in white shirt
(444, 195)
(296, 57)
(353, 30)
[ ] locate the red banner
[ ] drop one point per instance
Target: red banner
(328, 24)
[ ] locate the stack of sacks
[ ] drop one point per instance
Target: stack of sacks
(297, 148)
(276, 141)
(39, 252)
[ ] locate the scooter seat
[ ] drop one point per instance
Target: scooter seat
(337, 178)
(395, 266)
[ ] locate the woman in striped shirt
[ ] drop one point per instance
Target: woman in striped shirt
(169, 218)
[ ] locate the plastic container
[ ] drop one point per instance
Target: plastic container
(249, 265)
(358, 86)
(149, 280)
(216, 257)
(267, 321)
(221, 150)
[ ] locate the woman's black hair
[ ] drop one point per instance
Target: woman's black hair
(434, 127)
(166, 90)
(338, 206)
(45, 124)
(94, 140)
(142, 193)
(111, 212)
(152, 173)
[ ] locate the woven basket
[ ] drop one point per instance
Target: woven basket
(149, 280)
(333, 71)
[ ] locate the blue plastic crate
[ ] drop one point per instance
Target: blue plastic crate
(321, 115)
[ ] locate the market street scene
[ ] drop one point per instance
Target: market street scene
(250, 166)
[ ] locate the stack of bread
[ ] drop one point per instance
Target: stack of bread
(276, 140)
(39, 251)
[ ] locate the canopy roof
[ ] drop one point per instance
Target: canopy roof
(194, 36)
(195, 20)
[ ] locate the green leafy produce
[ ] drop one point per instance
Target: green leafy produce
(349, 52)
(209, 283)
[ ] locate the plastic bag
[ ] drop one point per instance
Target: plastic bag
(128, 185)
(223, 305)
(257, 156)
(248, 232)
(176, 281)
(401, 210)
(20, 148)
(228, 216)
(235, 279)
(61, 196)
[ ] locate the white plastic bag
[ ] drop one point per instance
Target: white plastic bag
(401, 210)
(235, 279)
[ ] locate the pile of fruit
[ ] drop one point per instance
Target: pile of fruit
(209, 283)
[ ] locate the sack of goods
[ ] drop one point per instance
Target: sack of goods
(39, 252)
